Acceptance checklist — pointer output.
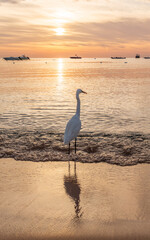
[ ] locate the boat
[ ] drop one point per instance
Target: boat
(23, 57)
(137, 56)
(11, 58)
(76, 57)
(147, 57)
(118, 57)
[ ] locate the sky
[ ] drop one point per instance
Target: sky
(63, 28)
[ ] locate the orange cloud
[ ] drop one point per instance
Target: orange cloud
(33, 31)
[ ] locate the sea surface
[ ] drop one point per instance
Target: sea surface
(37, 98)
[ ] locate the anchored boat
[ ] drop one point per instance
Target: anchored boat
(23, 57)
(76, 57)
(118, 57)
(137, 56)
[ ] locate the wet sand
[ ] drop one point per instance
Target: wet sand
(62, 200)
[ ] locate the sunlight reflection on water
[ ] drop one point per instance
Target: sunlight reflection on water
(40, 93)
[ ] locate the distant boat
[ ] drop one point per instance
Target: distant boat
(118, 57)
(76, 57)
(11, 58)
(137, 56)
(23, 57)
(147, 57)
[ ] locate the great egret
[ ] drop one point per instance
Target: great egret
(74, 125)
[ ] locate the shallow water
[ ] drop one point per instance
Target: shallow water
(37, 98)
(40, 94)
(47, 200)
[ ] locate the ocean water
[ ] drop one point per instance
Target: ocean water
(40, 94)
(37, 98)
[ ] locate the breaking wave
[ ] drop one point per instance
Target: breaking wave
(122, 149)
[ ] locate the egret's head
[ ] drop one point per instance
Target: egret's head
(79, 91)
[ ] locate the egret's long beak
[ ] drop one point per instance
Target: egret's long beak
(84, 92)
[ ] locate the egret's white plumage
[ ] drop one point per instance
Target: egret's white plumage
(74, 125)
(72, 129)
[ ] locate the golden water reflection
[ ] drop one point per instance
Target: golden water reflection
(118, 94)
(60, 70)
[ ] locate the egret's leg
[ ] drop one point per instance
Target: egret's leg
(75, 145)
(69, 149)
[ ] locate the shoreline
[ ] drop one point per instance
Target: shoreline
(74, 159)
(42, 146)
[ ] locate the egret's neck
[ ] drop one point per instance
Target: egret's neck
(78, 105)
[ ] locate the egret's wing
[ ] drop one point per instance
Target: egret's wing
(72, 129)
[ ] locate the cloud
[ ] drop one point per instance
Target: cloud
(11, 1)
(122, 31)
(13, 30)
(119, 32)
(16, 33)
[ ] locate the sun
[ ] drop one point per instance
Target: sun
(59, 31)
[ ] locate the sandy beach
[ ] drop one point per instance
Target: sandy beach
(62, 200)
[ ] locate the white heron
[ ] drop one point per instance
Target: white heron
(74, 124)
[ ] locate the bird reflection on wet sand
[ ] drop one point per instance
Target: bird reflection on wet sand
(72, 187)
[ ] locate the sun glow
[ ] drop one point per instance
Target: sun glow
(59, 31)
(63, 16)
